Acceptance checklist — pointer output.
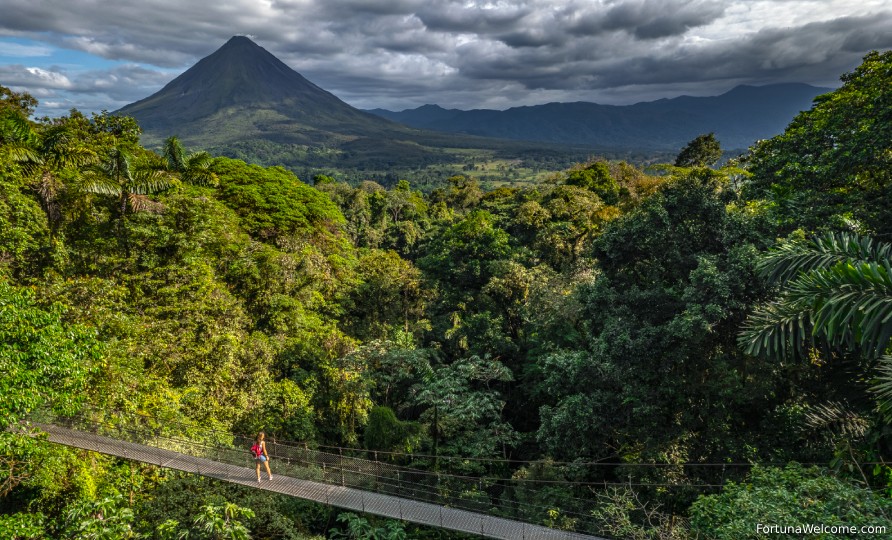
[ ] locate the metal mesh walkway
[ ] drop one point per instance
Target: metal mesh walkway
(231, 465)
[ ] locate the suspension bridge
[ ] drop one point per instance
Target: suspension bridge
(448, 501)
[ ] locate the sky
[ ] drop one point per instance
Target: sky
(400, 54)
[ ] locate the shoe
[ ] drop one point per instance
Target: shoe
(258, 480)
(270, 477)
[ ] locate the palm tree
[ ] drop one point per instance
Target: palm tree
(129, 179)
(41, 155)
(57, 150)
(194, 168)
(837, 292)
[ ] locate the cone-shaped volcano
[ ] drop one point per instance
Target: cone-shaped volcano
(243, 92)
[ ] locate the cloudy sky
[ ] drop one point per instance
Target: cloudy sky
(398, 54)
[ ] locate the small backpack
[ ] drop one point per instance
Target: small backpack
(256, 450)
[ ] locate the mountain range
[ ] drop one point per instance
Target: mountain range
(738, 117)
(244, 102)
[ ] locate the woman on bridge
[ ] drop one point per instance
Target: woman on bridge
(260, 454)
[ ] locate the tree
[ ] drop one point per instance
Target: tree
(407, 210)
(21, 103)
(104, 519)
(461, 256)
(792, 496)
(389, 294)
(465, 408)
(273, 203)
(831, 168)
(43, 154)
(384, 431)
(576, 216)
(596, 177)
(358, 528)
(24, 232)
(212, 523)
(464, 192)
(703, 151)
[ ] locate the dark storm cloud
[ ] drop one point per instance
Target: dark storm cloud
(341, 8)
(808, 53)
(649, 19)
(645, 19)
(460, 17)
(458, 53)
(773, 54)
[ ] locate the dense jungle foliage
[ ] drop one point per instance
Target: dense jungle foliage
(708, 345)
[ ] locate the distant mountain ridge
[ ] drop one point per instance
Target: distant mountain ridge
(738, 117)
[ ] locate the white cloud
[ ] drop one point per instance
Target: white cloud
(20, 50)
(33, 77)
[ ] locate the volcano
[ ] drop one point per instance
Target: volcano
(243, 92)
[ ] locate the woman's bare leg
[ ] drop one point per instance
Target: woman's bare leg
(258, 470)
(267, 470)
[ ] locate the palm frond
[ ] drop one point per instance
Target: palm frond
(198, 170)
(148, 180)
(95, 180)
(778, 328)
(62, 150)
(15, 128)
(117, 167)
(839, 287)
(852, 305)
(837, 418)
(142, 203)
(174, 154)
(793, 258)
(18, 152)
(200, 160)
